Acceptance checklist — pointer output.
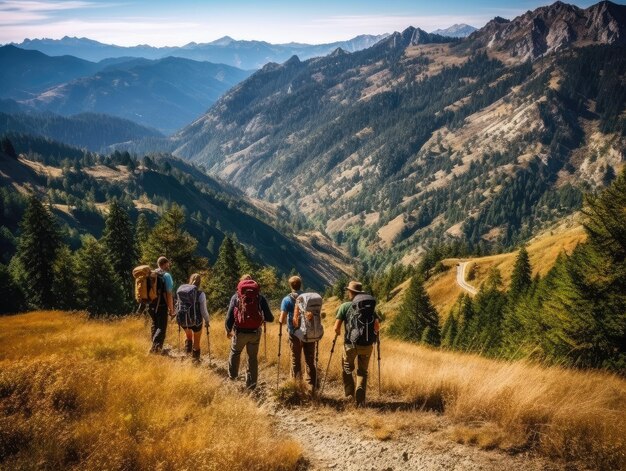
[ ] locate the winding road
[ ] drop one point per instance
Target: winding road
(460, 278)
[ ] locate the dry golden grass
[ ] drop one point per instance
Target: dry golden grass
(79, 394)
(563, 414)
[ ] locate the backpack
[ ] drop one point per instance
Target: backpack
(310, 307)
(360, 321)
(149, 284)
(188, 313)
(248, 313)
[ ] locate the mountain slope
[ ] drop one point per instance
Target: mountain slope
(80, 193)
(85, 130)
(164, 94)
(456, 31)
(242, 54)
(414, 141)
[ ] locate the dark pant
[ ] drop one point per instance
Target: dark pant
(250, 341)
(297, 347)
(159, 327)
(362, 356)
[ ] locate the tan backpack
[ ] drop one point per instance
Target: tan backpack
(145, 284)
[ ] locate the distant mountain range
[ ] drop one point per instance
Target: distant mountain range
(164, 94)
(241, 54)
(456, 31)
(420, 139)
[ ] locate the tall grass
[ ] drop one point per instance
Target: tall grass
(78, 394)
(561, 413)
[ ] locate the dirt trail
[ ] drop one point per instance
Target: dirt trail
(335, 435)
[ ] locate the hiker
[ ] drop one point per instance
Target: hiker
(162, 306)
(290, 313)
(190, 312)
(361, 332)
(247, 312)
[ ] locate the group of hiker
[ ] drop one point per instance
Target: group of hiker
(249, 311)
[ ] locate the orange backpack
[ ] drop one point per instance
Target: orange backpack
(145, 284)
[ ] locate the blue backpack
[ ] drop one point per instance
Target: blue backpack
(188, 312)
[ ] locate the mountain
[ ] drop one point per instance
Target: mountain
(456, 31)
(553, 28)
(416, 140)
(164, 94)
(81, 190)
(26, 73)
(226, 50)
(86, 130)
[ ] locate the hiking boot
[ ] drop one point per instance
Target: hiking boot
(188, 345)
(195, 356)
(360, 397)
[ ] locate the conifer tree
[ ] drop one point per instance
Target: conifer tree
(12, 296)
(449, 330)
(465, 319)
(65, 285)
(225, 276)
(142, 232)
(521, 278)
(36, 252)
(119, 242)
(245, 264)
(99, 290)
(417, 320)
(168, 238)
(485, 330)
(6, 146)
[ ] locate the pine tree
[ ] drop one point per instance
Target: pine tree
(6, 146)
(65, 285)
(12, 296)
(36, 253)
(246, 267)
(521, 278)
(142, 232)
(168, 238)
(465, 319)
(485, 331)
(449, 330)
(417, 320)
(99, 289)
(119, 242)
(225, 276)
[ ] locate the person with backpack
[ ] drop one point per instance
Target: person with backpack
(287, 307)
(190, 312)
(247, 313)
(361, 332)
(162, 305)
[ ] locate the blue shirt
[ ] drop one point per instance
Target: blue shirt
(169, 282)
(289, 305)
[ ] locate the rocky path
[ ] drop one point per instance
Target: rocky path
(385, 435)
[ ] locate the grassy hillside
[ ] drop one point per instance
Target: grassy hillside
(78, 394)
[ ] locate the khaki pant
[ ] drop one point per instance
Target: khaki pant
(362, 355)
(297, 347)
(251, 343)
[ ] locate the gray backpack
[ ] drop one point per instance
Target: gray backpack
(310, 307)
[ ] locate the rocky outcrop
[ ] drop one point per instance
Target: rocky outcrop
(552, 28)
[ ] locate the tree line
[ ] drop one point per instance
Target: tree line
(45, 273)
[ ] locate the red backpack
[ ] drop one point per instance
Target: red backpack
(248, 313)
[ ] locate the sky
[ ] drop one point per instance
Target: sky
(175, 23)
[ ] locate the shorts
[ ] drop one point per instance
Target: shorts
(195, 328)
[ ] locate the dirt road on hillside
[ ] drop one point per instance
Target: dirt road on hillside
(460, 278)
(385, 435)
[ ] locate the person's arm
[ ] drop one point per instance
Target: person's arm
(296, 317)
(265, 308)
(340, 316)
(283, 311)
(338, 323)
(169, 297)
(230, 317)
(203, 309)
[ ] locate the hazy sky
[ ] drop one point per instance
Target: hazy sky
(174, 23)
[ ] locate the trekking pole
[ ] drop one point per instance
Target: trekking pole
(208, 343)
(280, 338)
(179, 337)
(265, 340)
(332, 350)
(378, 351)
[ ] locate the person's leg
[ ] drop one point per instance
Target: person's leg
(363, 360)
(188, 340)
(236, 346)
(161, 328)
(309, 359)
(349, 355)
(252, 348)
(295, 346)
(153, 328)
(196, 345)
